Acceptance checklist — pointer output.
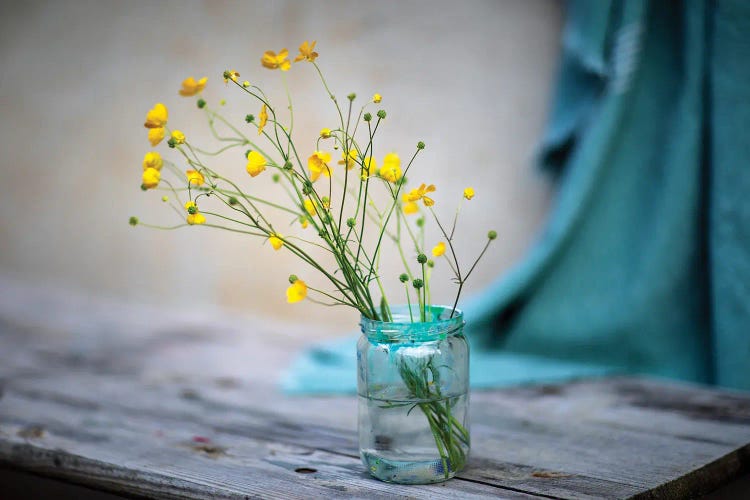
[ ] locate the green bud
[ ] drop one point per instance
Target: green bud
(233, 201)
(403, 278)
(227, 75)
(249, 118)
(201, 103)
(351, 96)
(351, 222)
(171, 143)
(307, 191)
(420, 145)
(133, 221)
(293, 278)
(275, 177)
(420, 222)
(288, 165)
(430, 263)
(165, 198)
(143, 187)
(381, 114)
(421, 258)
(322, 233)
(367, 117)
(492, 235)
(417, 283)
(192, 210)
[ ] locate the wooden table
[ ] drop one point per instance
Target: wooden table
(139, 401)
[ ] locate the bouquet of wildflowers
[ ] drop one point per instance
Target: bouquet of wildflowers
(350, 206)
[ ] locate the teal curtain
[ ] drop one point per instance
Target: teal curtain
(644, 263)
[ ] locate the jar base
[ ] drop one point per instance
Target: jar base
(405, 471)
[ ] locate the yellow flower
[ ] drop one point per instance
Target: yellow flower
(152, 159)
(233, 75)
(190, 87)
(421, 194)
(306, 52)
(194, 178)
(469, 193)
(438, 249)
(155, 135)
(263, 118)
(194, 216)
(272, 61)
(151, 178)
(391, 169)
(349, 161)
(318, 164)
(156, 116)
(370, 167)
(376, 98)
(275, 241)
(256, 163)
(303, 220)
(296, 292)
(409, 207)
(309, 208)
(178, 137)
(325, 133)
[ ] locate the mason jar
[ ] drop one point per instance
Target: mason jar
(413, 389)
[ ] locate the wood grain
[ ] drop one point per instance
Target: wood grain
(146, 402)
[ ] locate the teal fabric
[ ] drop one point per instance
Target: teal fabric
(644, 263)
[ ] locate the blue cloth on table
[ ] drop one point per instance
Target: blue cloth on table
(644, 263)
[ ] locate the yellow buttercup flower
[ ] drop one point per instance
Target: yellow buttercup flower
(309, 207)
(232, 75)
(469, 193)
(306, 52)
(391, 169)
(438, 249)
(155, 135)
(325, 133)
(275, 241)
(376, 98)
(156, 116)
(263, 118)
(151, 178)
(271, 60)
(421, 194)
(350, 161)
(190, 87)
(194, 178)
(152, 159)
(296, 292)
(194, 217)
(318, 164)
(256, 163)
(178, 137)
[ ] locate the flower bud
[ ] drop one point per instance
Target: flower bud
(403, 278)
(306, 190)
(293, 278)
(227, 75)
(351, 96)
(165, 198)
(417, 283)
(192, 210)
(133, 221)
(492, 235)
(421, 258)
(275, 177)
(420, 222)
(171, 143)
(246, 84)
(201, 103)
(233, 201)
(288, 165)
(381, 114)
(430, 263)
(322, 233)
(249, 118)
(351, 222)
(367, 117)
(420, 145)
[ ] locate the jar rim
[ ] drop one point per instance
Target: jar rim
(441, 324)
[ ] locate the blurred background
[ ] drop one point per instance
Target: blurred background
(471, 80)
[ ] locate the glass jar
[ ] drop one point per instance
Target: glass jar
(413, 388)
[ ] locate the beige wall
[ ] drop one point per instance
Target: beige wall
(470, 79)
